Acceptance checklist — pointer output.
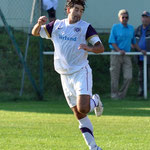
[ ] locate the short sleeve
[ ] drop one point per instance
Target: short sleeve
(92, 36)
(46, 30)
(112, 36)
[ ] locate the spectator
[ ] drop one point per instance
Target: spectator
(50, 6)
(142, 35)
(120, 40)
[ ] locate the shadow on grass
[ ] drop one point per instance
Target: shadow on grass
(58, 105)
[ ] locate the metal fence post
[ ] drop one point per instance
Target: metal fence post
(145, 76)
(41, 67)
(27, 46)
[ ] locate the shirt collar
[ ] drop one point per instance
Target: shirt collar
(68, 24)
(124, 26)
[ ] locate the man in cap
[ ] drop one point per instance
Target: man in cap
(142, 35)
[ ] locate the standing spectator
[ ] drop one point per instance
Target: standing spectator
(50, 6)
(120, 40)
(142, 35)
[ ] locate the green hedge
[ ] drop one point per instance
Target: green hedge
(11, 68)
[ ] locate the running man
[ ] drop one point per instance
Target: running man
(70, 37)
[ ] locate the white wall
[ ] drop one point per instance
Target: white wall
(17, 12)
(102, 14)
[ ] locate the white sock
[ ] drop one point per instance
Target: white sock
(87, 132)
(93, 104)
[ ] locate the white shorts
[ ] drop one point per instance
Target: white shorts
(78, 83)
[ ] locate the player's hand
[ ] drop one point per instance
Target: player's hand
(42, 20)
(122, 52)
(85, 47)
(143, 52)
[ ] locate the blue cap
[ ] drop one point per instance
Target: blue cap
(146, 13)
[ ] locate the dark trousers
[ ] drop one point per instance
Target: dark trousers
(140, 76)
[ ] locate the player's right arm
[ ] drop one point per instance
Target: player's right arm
(36, 29)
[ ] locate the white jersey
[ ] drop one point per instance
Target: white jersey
(66, 37)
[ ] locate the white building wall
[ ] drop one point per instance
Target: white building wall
(17, 12)
(102, 14)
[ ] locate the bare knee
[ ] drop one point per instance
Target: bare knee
(77, 114)
(82, 109)
(83, 104)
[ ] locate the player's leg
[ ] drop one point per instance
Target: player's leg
(86, 128)
(83, 88)
(85, 103)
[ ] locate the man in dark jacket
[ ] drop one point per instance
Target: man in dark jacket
(142, 35)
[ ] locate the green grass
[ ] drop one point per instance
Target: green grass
(50, 125)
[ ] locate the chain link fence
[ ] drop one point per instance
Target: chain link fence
(17, 14)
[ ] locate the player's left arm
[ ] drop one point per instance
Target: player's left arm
(96, 48)
(93, 38)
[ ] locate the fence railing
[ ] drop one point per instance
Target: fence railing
(127, 53)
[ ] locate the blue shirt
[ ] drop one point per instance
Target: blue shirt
(142, 42)
(122, 36)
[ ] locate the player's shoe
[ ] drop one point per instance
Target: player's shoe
(97, 148)
(99, 109)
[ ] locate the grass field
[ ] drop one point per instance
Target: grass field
(50, 125)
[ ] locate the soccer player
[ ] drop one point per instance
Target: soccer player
(70, 37)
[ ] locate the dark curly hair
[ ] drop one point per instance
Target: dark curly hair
(71, 3)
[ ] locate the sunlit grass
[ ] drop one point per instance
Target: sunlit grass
(50, 125)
